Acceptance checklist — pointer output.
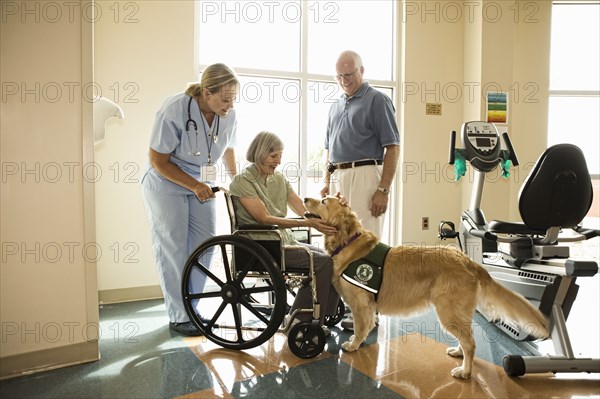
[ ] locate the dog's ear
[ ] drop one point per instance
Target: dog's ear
(341, 199)
(349, 220)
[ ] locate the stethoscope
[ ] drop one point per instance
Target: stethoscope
(207, 134)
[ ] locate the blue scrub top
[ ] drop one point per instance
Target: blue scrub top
(359, 127)
(169, 137)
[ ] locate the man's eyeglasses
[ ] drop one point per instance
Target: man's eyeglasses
(346, 76)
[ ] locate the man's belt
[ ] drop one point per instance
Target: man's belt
(347, 165)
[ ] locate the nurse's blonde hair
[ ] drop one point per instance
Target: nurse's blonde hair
(263, 144)
(213, 78)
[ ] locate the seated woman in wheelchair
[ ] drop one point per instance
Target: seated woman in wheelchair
(264, 195)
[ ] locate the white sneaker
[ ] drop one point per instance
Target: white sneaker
(348, 322)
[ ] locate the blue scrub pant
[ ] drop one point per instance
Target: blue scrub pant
(179, 224)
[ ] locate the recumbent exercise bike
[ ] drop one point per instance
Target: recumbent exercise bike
(527, 257)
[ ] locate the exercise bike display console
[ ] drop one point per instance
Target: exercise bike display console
(482, 144)
(527, 257)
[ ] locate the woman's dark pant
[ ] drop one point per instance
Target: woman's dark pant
(327, 296)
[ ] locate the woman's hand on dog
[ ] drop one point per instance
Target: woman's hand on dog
(321, 226)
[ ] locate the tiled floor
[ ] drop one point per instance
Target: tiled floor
(403, 358)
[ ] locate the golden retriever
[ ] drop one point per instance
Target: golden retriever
(415, 278)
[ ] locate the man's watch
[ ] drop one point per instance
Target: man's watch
(383, 190)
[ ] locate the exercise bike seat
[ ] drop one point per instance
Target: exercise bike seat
(556, 194)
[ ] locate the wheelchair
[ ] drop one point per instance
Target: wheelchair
(235, 289)
(527, 257)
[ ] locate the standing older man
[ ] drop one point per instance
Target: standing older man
(363, 146)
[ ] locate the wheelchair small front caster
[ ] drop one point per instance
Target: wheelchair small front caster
(306, 340)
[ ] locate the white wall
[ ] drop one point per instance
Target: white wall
(433, 70)
(492, 45)
(48, 295)
(531, 70)
(141, 58)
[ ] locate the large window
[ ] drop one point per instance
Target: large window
(574, 114)
(574, 107)
(285, 54)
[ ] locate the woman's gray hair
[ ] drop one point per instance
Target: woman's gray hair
(263, 144)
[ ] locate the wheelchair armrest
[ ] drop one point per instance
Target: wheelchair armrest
(258, 227)
(302, 234)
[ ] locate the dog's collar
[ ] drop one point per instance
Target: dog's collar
(338, 249)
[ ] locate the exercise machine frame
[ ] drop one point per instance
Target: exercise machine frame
(526, 259)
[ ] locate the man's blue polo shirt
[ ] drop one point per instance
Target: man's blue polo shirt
(359, 127)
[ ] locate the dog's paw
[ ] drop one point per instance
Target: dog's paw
(454, 351)
(349, 346)
(459, 372)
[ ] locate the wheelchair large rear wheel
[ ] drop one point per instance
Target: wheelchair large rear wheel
(234, 292)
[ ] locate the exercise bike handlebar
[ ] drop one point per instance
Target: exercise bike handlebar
(587, 233)
(512, 155)
(486, 235)
(452, 147)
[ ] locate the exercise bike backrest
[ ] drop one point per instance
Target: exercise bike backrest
(558, 191)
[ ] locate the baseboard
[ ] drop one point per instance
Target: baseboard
(48, 359)
(129, 294)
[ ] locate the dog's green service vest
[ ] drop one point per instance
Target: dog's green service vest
(367, 272)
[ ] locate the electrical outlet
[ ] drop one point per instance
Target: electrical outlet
(425, 223)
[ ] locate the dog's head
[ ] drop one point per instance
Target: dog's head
(329, 209)
(340, 216)
(337, 214)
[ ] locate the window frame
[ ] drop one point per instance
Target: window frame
(553, 93)
(391, 230)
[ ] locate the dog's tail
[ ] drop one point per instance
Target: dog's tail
(500, 303)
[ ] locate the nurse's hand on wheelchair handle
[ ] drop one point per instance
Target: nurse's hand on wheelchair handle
(204, 192)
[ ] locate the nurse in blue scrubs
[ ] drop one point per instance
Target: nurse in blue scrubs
(192, 133)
